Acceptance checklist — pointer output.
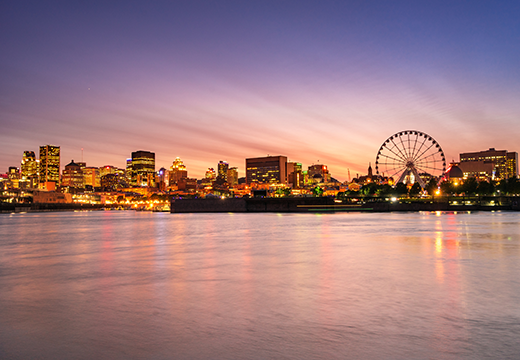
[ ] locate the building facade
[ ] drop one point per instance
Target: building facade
(232, 176)
(222, 171)
(49, 165)
(91, 177)
(489, 164)
(143, 168)
(72, 176)
(294, 175)
(177, 172)
(267, 170)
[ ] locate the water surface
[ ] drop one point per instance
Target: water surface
(123, 285)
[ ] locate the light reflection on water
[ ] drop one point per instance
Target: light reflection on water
(253, 286)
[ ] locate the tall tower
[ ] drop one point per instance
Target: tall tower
(143, 168)
(29, 169)
(223, 168)
(49, 164)
(177, 172)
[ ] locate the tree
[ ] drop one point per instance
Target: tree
(317, 191)
(370, 189)
(431, 187)
(385, 190)
(470, 186)
(485, 188)
(415, 189)
(401, 189)
(513, 185)
(447, 188)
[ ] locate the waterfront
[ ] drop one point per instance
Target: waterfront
(129, 284)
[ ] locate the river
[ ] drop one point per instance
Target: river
(140, 285)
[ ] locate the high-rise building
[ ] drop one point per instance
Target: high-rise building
(13, 173)
(29, 165)
(177, 172)
(49, 165)
(160, 179)
(128, 172)
(209, 177)
(143, 168)
(232, 176)
(264, 170)
(29, 170)
(91, 177)
(489, 164)
(72, 176)
(294, 174)
(222, 171)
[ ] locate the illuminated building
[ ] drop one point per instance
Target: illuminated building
(160, 178)
(29, 170)
(454, 174)
(187, 184)
(177, 172)
(128, 172)
(489, 164)
(318, 174)
(51, 197)
(112, 182)
(109, 169)
(49, 171)
(210, 174)
(265, 170)
(209, 177)
(91, 177)
(13, 173)
(222, 169)
(232, 176)
(143, 168)
(72, 176)
(294, 174)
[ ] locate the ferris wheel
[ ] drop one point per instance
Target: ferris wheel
(410, 156)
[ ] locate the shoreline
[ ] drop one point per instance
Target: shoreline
(306, 205)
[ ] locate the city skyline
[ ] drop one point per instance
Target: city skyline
(228, 81)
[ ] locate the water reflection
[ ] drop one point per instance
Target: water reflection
(144, 285)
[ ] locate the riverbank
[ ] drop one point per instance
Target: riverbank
(325, 204)
(18, 208)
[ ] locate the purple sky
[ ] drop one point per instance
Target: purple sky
(226, 80)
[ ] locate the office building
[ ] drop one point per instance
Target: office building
(72, 176)
(143, 168)
(232, 176)
(267, 170)
(294, 175)
(489, 164)
(222, 171)
(49, 171)
(177, 172)
(91, 177)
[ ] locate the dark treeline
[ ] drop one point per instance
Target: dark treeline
(469, 186)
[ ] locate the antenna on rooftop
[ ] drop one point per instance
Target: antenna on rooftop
(81, 154)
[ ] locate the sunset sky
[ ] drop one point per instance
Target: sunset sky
(325, 81)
